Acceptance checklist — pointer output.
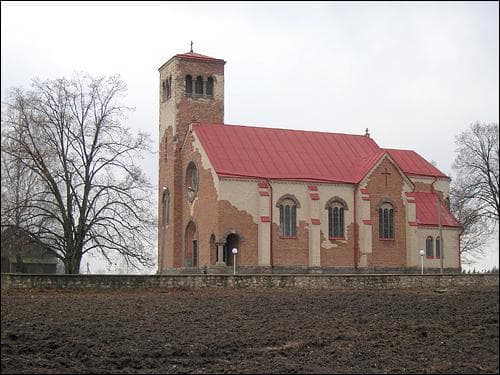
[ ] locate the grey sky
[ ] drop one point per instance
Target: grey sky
(415, 74)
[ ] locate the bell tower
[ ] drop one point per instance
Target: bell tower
(191, 90)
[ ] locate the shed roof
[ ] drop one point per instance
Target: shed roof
(427, 211)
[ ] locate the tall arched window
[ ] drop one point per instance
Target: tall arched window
(198, 86)
(386, 221)
(166, 207)
(336, 223)
(210, 86)
(288, 216)
(165, 149)
(164, 91)
(429, 247)
(166, 88)
(438, 247)
(189, 85)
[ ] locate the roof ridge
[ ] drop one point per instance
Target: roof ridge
(285, 129)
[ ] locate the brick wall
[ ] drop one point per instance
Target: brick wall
(341, 253)
(231, 219)
(387, 253)
(176, 114)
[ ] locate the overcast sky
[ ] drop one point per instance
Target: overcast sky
(415, 74)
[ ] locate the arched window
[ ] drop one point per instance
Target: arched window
(336, 224)
(438, 247)
(164, 91)
(191, 246)
(429, 247)
(288, 216)
(198, 86)
(386, 221)
(189, 85)
(166, 207)
(210, 86)
(191, 181)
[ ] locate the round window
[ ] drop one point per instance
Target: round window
(191, 181)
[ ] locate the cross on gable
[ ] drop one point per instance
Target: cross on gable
(386, 174)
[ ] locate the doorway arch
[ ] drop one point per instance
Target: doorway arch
(232, 241)
(191, 246)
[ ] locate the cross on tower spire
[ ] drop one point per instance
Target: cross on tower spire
(191, 46)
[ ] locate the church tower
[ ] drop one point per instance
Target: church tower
(191, 90)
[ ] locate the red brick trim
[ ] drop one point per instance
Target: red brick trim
(366, 198)
(262, 184)
(314, 196)
(337, 238)
(265, 219)
(410, 194)
(367, 222)
(364, 191)
(316, 221)
(264, 193)
(412, 223)
(410, 201)
(313, 187)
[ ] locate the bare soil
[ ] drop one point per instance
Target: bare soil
(251, 331)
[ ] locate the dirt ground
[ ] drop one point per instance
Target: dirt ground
(251, 331)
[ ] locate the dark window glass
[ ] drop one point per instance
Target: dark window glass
(386, 223)
(189, 85)
(198, 86)
(288, 219)
(429, 251)
(438, 247)
(210, 86)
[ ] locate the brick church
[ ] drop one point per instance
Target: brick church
(288, 200)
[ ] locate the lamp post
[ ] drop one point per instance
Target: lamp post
(422, 260)
(235, 251)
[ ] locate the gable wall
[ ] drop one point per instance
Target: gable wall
(387, 253)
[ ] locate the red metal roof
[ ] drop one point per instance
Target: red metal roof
(198, 57)
(427, 211)
(248, 151)
(412, 163)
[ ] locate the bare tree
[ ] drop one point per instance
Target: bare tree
(476, 230)
(91, 195)
(474, 193)
(18, 186)
(477, 168)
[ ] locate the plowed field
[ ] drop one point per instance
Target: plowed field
(250, 331)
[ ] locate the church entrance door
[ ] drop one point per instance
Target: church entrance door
(232, 241)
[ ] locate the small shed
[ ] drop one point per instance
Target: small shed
(21, 253)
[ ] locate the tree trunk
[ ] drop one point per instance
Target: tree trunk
(72, 265)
